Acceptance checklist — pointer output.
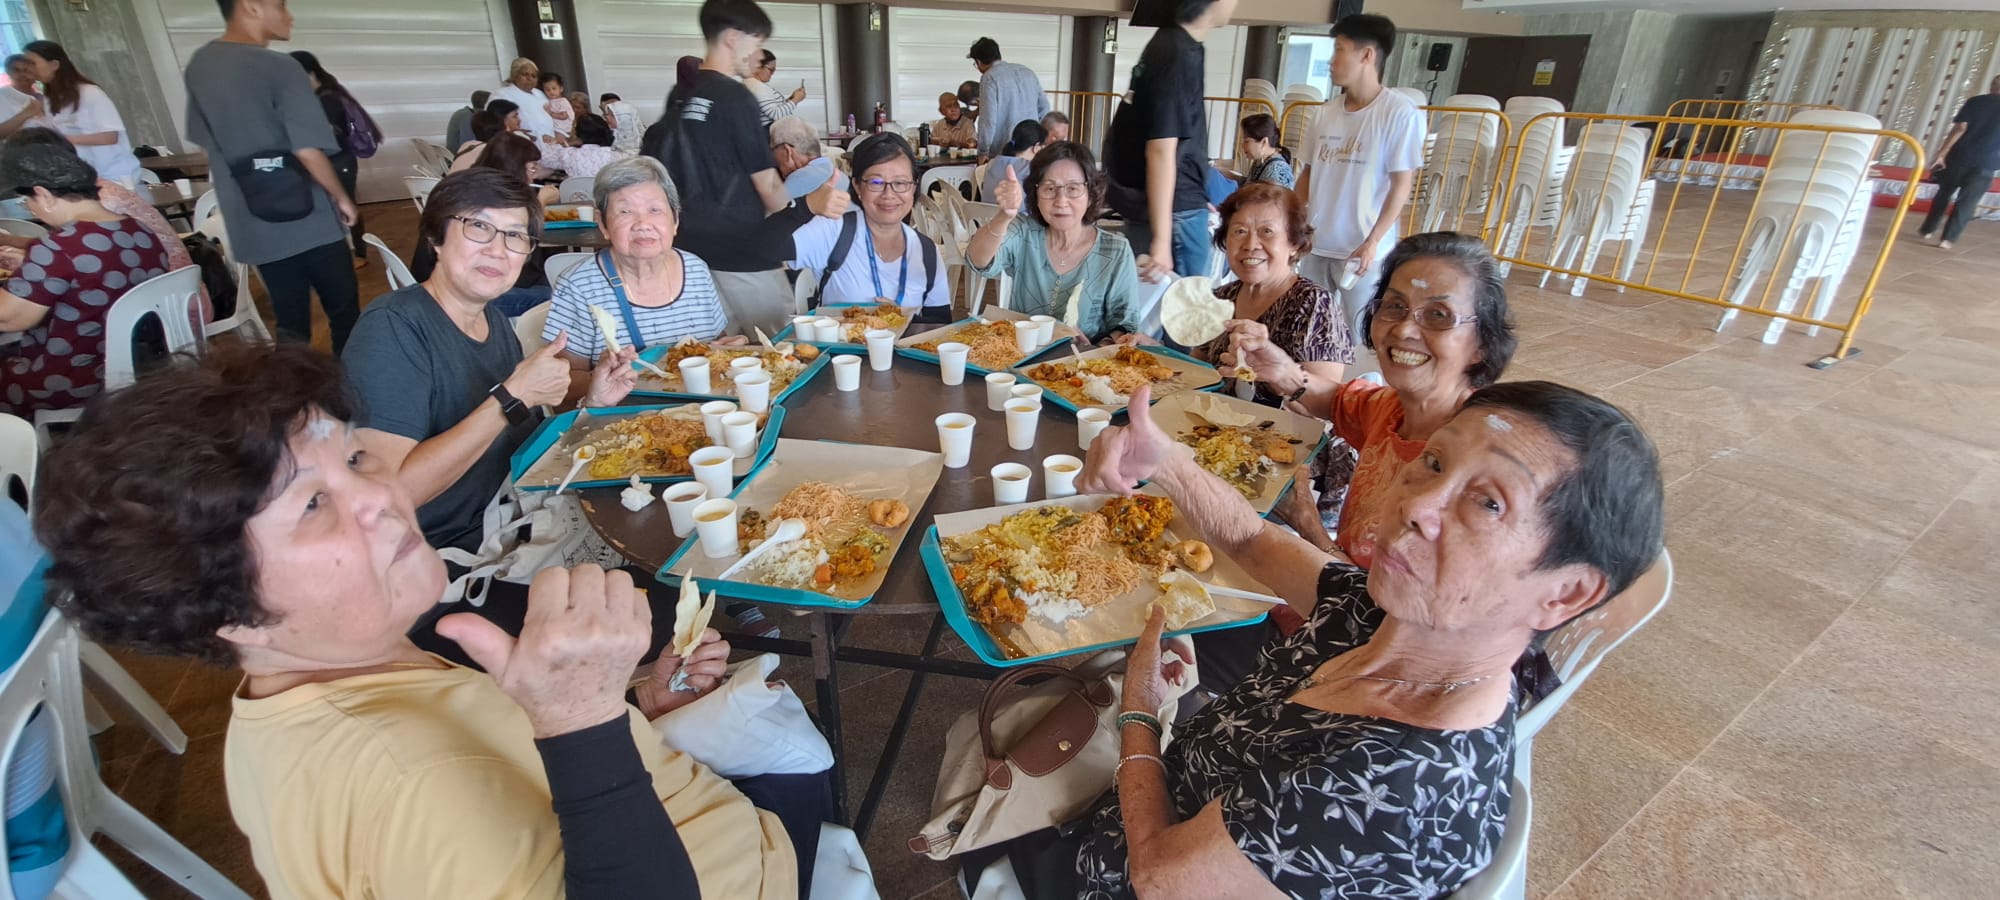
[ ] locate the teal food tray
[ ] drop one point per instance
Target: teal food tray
(723, 389)
(905, 346)
(851, 347)
(557, 428)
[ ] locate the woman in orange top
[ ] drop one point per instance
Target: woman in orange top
(1440, 324)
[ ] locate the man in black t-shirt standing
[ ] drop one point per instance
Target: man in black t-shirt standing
(1156, 153)
(1965, 164)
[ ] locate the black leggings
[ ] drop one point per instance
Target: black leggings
(291, 282)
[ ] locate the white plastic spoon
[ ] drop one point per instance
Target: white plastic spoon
(584, 455)
(780, 531)
(1216, 590)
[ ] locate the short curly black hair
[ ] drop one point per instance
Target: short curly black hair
(1489, 298)
(143, 505)
(43, 158)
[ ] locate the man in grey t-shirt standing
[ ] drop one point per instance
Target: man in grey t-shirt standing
(246, 99)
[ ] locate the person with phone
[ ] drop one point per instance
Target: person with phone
(771, 105)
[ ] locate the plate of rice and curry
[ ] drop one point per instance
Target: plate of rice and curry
(858, 503)
(991, 337)
(650, 443)
(1036, 581)
(1258, 450)
(790, 364)
(1106, 377)
(855, 322)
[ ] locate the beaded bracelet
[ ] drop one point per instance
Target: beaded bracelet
(1125, 759)
(1148, 720)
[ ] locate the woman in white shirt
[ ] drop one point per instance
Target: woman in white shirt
(885, 260)
(80, 110)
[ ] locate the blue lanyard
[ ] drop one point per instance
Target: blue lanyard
(875, 270)
(624, 305)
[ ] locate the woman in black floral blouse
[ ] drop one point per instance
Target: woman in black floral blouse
(1368, 755)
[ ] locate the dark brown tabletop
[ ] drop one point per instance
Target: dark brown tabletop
(897, 408)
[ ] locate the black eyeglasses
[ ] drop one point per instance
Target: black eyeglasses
(480, 231)
(1074, 190)
(1433, 317)
(877, 185)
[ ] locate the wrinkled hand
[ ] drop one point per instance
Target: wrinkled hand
(1121, 457)
(1250, 343)
(585, 630)
(706, 667)
(1008, 196)
(1157, 667)
(829, 201)
(612, 378)
(543, 378)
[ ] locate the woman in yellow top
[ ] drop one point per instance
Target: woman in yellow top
(262, 534)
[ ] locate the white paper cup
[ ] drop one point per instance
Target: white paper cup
(804, 329)
(1025, 392)
(1246, 389)
(1089, 422)
(955, 439)
(1022, 416)
(714, 468)
(586, 213)
(951, 361)
(681, 500)
(715, 525)
(743, 364)
(881, 349)
(1059, 475)
(1045, 329)
(933, 149)
(694, 375)
(1010, 483)
(711, 418)
(753, 391)
(999, 386)
(847, 372)
(185, 187)
(827, 330)
(1024, 336)
(739, 433)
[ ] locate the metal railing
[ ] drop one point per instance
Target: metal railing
(1674, 149)
(1461, 174)
(1296, 121)
(1806, 222)
(1089, 115)
(1225, 117)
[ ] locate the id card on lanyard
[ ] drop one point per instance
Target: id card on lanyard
(875, 270)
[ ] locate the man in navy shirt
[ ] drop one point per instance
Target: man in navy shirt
(1965, 165)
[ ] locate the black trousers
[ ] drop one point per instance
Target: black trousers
(348, 170)
(1969, 186)
(326, 270)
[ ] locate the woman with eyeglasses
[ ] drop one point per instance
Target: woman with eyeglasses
(1057, 251)
(446, 393)
(519, 158)
(1264, 234)
(871, 255)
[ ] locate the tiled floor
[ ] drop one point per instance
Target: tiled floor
(1812, 715)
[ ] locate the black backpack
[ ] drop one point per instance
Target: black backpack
(216, 274)
(850, 224)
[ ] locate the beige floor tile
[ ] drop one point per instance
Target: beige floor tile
(1749, 607)
(1953, 360)
(1589, 780)
(1594, 357)
(1837, 553)
(1699, 839)
(1918, 679)
(1643, 688)
(1942, 598)
(1914, 807)
(1727, 393)
(1891, 397)
(1961, 540)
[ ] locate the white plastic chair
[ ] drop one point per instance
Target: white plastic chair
(396, 272)
(1415, 96)
(1600, 194)
(955, 176)
(173, 298)
(979, 181)
(803, 286)
(420, 188)
(148, 176)
(528, 327)
(1506, 877)
(558, 265)
(20, 454)
(436, 157)
(1458, 171)
(208, 221)
(49, 675)
(23, 228)
(1534, 197)
(576, 190)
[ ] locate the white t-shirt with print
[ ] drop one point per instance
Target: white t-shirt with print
(1352, 156)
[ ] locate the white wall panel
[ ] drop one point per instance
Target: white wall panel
(1223, 59)
(928, 58)
(632, 46)
(410, 62)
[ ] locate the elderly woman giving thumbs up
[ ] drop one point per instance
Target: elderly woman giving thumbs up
(1062, 265)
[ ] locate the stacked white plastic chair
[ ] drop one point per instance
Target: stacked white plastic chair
(954, 176)
(1415, 96)
(1458, 173)
(1602, 201)
(1539, 162)
(1807, 219)
(1259, 89)
(436, 157)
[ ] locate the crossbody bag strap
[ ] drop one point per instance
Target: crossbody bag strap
(842, 245)
(610, 270)
(930, 263)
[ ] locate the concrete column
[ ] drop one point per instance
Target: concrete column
(561, 55)
(1264, 53)
(862, 45)
(1092, 62)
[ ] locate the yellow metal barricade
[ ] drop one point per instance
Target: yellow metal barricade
(1797, 234)
(1677, 151)
(1295, 125)
(1463, 155)
(1089, 115)
(1225, 117)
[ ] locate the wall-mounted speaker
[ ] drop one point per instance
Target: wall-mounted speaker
(1440, 57)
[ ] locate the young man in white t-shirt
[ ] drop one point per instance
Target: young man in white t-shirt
(1362, 160)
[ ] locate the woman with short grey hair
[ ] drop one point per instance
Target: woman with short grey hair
(654, 293)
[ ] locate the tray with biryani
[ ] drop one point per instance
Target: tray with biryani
(991, 337)
(649, 443)
(1107, 376)
(1037, 581)
(854, 322)
(1258, 450)
(566, 215)
(858, 503)
(790, 364)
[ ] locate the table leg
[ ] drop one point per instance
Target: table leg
(826, 682)
(892, 746)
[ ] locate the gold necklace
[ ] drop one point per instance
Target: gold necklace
(1314, 680)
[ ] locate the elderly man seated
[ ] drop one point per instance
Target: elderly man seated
(795, 146)
(1369, 753)
(955, 128)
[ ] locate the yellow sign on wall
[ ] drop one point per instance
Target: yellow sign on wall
(1545, 72)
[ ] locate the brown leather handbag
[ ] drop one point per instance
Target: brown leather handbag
(1032, 757)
